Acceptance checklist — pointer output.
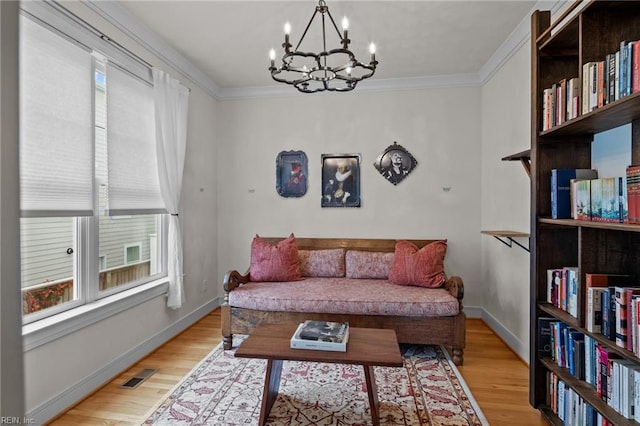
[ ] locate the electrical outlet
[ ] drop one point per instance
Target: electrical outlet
(204, 285)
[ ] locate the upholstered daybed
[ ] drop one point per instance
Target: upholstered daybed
(377, 283)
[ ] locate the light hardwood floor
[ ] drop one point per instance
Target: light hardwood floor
(497, 378)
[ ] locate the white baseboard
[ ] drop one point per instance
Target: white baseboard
(72, 395)
(507, 336)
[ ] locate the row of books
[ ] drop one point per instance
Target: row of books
(321, 335)
(611, 304)
(616, 380)
(616, 76)
(580, 194)
(562, 288)
(569, 406)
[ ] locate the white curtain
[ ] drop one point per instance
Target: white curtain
(171, 106)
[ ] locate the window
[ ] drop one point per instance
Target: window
(132, 253)
(89, 190)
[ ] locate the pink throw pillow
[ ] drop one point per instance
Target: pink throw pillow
(423, 267)
(274, 262)
(368, 264)
(322, 263)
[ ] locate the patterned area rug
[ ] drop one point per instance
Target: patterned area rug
(226, 391)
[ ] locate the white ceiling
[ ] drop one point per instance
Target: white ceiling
(229, 41)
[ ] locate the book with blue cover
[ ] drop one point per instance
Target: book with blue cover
(560, 189)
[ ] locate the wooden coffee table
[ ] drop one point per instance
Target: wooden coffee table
(367, 347)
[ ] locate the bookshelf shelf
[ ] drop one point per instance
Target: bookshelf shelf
(624, 227)
(508, 237)
(588, 32)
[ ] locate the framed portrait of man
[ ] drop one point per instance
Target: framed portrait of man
(395, 163)
(340, 180)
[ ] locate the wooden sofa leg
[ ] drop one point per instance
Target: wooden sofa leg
(458, 356)
(225, 326)
(227, 342)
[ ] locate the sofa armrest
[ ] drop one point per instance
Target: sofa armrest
(234, 279)
(455, 286)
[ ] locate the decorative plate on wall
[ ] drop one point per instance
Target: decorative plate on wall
(291, 173)
(395, 163)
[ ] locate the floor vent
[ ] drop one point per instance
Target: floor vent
(135, 381)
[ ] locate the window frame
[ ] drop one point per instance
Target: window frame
(90, 304)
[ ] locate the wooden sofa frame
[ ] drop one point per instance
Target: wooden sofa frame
(446, 330)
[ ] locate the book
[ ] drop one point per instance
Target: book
(545, 340)
(583, 199)
(633, 193)
(594, 309)
(572, 285)
(635, 85)
(596, 200)
(560, 189)
(321, 335)
(631, 293)
(623, 297)
(610, 188)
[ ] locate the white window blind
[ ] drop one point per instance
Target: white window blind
(56, 124)
(133, 186)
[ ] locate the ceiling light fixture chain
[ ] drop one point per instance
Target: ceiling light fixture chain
(335, 70)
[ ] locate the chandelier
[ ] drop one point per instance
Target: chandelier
(336, 70)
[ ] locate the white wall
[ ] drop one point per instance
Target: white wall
(506, 199)
(440, 127)
(60, 373)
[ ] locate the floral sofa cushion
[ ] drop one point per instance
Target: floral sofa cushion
(345, 296)
(368, 264)
(277, 262)
(322, 263)
(422, 267)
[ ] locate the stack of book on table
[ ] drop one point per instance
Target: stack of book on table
(321, 335)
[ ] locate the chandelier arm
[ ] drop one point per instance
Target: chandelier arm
(334, 25)
(315, 12)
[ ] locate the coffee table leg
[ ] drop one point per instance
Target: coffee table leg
(271, 387)
(372, 390)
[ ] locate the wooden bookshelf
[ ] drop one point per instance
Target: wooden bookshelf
(558, 52)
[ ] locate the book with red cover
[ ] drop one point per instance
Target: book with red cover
(602, 383)
(633, 193)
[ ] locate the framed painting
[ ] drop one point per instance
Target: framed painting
(340, 180)
(395, 163)
(291, 173)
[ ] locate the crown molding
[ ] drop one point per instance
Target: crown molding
(122, 19)
(134, 28)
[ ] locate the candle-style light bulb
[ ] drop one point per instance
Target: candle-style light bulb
(287, 31)
(272, 56)
(372, 50)
(345, 32)
(348, 70)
